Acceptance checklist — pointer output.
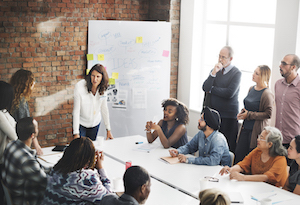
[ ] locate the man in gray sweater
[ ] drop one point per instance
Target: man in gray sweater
(223, 85)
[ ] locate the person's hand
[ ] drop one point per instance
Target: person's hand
(109, 135)
(148, 126)
(237, 176)
(99, 159)
(76, 136)
(173, 152)
(182, 158)
(224, 170)
(217, 68)
(39, 150)
(242, 115)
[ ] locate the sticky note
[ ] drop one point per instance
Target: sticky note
(139, 39)
(165, 53)
(100, 57)
(89, 57)
(115, 75)
(87, 71)
(111, 81)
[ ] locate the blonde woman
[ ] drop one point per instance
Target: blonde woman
(213, 197)
(256, 113)
(23, 84)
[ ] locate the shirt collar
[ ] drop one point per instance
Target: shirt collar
(228, 68)
(294, 82)
(23, 145)
(210, 136)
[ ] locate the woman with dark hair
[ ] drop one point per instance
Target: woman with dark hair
(78, 177)
(7, 122)
(293, 182)
(23, 84)
(256, 113)
(266, 162)
(171, 129)
(90, 103)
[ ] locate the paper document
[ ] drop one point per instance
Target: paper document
(235, 197)
(52, 159)
(170, 160)
(275, 196)
(146, 147)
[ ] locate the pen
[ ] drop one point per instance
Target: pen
(139, 143)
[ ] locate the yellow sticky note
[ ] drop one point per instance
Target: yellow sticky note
(139, 39)
(87, 71)
(111, 81)
(89, 57)
(100, 57)
(115, 75)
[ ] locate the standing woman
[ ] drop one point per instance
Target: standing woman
(23, 84)
(293, 182)
(171, 129)
(90, 103)
(7, 122)
(256, 113)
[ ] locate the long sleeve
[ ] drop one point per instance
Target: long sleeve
(277, 174)
(230, 91)
(191, 146)
(7, 125)
(105, 113)
(265, 108)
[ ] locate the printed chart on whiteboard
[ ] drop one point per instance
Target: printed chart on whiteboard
(136, 55)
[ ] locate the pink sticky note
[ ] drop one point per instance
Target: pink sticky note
(165, 53)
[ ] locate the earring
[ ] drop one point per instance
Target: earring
(176, 118)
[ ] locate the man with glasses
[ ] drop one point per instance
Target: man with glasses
(223, 85)
(287, 98)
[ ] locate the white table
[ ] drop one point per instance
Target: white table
(160, 194)
(184, 177)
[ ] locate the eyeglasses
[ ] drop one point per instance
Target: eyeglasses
(223, 57)
(212, 179)
(259, 137)
(284, 63)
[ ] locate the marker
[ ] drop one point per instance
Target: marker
(139, 143)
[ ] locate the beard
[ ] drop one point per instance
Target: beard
(202, 128)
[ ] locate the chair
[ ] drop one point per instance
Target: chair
(231, 157)
(7, 195)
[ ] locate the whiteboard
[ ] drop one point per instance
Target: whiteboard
(136, 55)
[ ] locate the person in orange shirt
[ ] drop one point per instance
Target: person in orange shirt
(266, 163)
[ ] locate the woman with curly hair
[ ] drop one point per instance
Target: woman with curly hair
(171, 129)
(90, 104)
(23, 84)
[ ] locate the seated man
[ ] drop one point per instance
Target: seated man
(212, 145)
(137, 188)
(24, 177)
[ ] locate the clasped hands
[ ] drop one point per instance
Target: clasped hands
(174, 153)
(151, 125)
(232, 174)
(242, 115)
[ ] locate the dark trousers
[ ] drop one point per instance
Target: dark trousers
(229, 128)
(243, 145)
(90, 132)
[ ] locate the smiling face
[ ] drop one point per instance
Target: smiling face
(170, 113)
(292, 151)
(96, 78)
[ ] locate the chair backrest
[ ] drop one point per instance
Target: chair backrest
(7, 195)
(231, 157)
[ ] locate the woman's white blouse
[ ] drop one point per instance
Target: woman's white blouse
(88, 108)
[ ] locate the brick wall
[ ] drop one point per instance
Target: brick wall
(49, 38)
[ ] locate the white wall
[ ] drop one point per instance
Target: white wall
(286, 34)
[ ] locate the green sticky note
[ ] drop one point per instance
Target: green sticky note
(100, 57)
(115, 75)
(139, 39)
(89, 57)
(111, 81)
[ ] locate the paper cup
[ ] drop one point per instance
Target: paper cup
(203, 184)
(117, 184)
(266, 201)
